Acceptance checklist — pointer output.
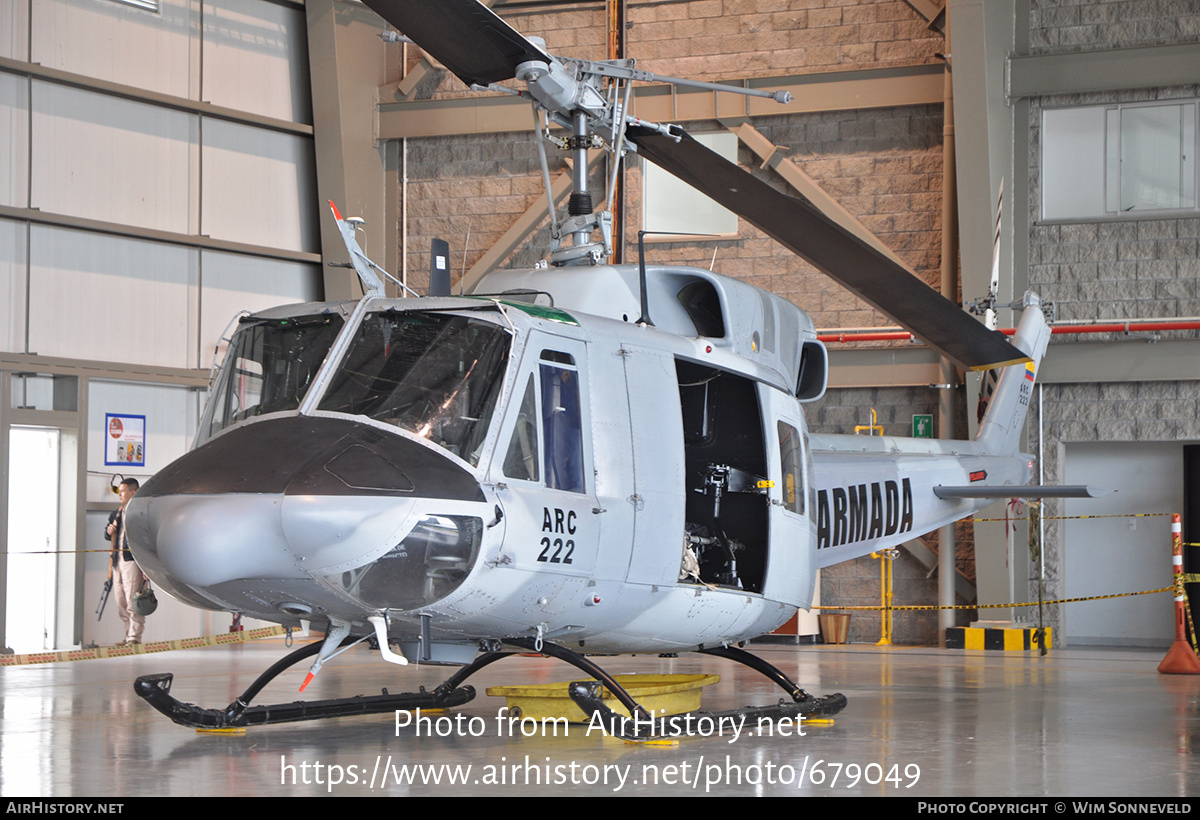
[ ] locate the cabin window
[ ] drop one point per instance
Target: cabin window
(791, 457)
(521, 461)
(437, 375)
(562, 419)
(268, 368)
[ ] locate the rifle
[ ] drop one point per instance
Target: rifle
(110, 536)
(104, 597)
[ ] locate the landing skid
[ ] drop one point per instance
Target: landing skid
(588, 695)
(156, 690)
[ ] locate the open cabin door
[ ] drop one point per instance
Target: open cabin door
(792, 560)
(728, 490)
(658, 466)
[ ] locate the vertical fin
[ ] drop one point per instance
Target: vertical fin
(1000, 430)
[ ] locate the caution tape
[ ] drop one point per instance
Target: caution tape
(915, 607)
(52, 552)
(1075, 517)
(141, 648)
(1180, 592)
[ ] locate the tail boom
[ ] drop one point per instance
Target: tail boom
(873, 493)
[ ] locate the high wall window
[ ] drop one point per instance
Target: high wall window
(1120, 160)
(674, 207)
(151, 5)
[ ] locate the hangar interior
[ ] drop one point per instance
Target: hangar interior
(164, 163)
(150, 191)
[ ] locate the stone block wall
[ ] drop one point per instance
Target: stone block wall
(1088, 25)
(1118, 269)
(719, 39)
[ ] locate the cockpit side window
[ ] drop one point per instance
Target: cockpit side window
(268, 368)
(562, 421)
(438, 375)
(521, 461)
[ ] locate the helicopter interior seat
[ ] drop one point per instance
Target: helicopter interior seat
(447, 560)
(448, 569)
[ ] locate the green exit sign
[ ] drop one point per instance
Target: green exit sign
(922, 425)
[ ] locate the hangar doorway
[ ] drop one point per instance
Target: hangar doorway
(41, 448)
(1118, 552)
(39, 605)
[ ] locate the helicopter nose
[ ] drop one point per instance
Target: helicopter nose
(283, 498)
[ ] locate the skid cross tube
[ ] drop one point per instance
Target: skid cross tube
(642, 725)
(756, 663)
(582, 663)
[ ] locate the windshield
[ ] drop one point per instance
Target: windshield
(268, 367)
(435, 374)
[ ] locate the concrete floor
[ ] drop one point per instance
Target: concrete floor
(1082, 722)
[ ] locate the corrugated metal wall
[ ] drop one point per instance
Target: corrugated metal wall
(147, 164)
(157, 175)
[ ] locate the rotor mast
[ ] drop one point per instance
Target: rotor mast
(569, 92)
(580, 202)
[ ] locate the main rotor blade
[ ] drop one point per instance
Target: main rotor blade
(798, 225)
(463, 35)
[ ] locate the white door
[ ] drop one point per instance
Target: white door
(1112, 553)
(33, 476)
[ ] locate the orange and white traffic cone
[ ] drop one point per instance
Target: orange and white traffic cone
(1180, 659)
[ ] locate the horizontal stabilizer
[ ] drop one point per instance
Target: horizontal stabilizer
(1027, 491)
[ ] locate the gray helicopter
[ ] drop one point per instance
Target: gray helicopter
(576, 459)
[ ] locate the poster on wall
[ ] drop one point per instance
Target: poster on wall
(125, 445)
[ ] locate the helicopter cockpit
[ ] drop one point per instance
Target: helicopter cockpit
(438, 375)
(268, 367)
(435, 374)
(294, 436)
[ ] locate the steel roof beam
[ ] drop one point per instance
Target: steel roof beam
(825, 91)
(1109, 70)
